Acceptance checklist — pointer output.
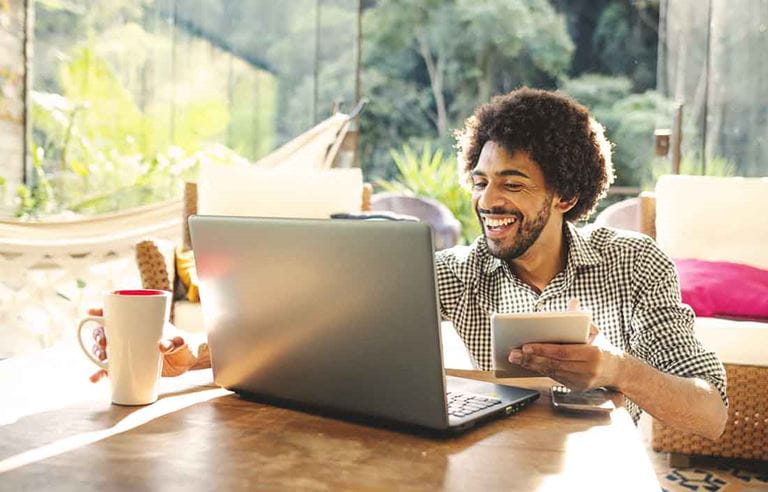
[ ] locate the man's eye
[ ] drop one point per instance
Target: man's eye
(513, 186)
(478, 185)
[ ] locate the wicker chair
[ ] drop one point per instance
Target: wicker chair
(746, 431)
(446, 229)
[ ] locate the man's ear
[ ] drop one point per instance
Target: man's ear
(563, 206)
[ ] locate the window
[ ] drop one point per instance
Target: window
(128, 97)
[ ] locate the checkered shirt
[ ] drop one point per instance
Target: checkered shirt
(630, 286)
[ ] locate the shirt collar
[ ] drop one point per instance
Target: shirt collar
(580, 252)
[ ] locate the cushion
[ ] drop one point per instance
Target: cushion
(734, 342)
(720, 288)
(277, 192)
(185, 269)
(188, 317)
(713, 218)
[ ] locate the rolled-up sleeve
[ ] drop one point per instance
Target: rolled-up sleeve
(662, 326)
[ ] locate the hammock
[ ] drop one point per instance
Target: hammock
(316, 148)
(149, 217)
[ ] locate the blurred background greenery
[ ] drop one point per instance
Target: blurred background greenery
(130, 96)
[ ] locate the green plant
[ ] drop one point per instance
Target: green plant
(95, 150)
(432, 174)
(38, 198)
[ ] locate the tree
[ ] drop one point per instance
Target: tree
(428, 63)
(614, 37)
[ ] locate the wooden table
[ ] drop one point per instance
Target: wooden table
(57, 431)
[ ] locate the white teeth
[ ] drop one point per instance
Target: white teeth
(498, 222)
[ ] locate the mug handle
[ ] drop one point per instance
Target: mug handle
(96, 319)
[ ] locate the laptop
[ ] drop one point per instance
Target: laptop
(337, 315)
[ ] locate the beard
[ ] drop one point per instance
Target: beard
(527, 231)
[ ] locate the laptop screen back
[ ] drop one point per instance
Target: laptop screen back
(339, 314)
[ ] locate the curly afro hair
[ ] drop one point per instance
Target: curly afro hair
(556, 131)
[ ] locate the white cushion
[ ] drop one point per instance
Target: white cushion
(249, 190)
(735, 342)
(713, 218)
(188, 316)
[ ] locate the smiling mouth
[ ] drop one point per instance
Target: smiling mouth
(500, 225)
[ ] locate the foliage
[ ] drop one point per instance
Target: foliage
(597, 91)
(427, 63)
(432, 174)
(152, 181)
(614, 37)
(625, 40)
(629, 120)
(96, 150)
(37, 199)
(123, 92)
(638, 116)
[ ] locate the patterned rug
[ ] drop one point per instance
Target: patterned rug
(720, 476)
(706, 473)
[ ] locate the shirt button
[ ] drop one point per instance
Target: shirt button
(539, 305)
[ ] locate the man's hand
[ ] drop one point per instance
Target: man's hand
(177, 356)
(579, 366)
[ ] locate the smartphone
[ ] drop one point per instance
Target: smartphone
(595, 400)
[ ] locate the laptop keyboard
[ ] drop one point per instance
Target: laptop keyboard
(465, 404)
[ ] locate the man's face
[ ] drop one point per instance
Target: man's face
(511, 200)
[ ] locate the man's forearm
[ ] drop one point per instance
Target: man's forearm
(689, 404)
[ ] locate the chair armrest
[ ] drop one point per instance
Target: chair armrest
(365, 203)
(648, 214)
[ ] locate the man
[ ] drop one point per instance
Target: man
(537, 163)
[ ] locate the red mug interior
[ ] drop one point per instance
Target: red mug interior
(140, 292)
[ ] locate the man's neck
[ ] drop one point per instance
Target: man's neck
(543, 260)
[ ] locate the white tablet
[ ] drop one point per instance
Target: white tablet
(510, 331)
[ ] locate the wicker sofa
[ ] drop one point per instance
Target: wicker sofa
(719, 219)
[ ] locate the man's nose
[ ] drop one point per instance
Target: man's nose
(491, 198)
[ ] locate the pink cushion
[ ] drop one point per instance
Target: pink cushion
(720, 288)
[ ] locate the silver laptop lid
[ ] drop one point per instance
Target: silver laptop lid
(334, 313)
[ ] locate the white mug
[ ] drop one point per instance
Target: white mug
(133, 324)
